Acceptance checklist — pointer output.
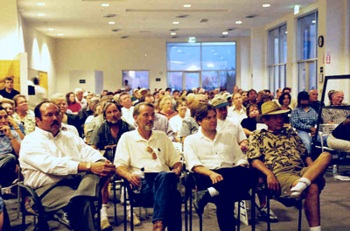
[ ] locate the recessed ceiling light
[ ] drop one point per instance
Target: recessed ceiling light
(105, 4)
(175, 23)
(187, 5)
(40, 14)
(111, 23)
(60, 34)
(266, 5)
(225, 33)
(173, 33)
(239, 22)
(50, 29)
(40, 4)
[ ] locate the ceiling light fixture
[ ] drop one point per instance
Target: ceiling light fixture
(60, 34)
(40, 14)
(40, 4)
(105, 4)
(50, 29)
(296, 9)
(176, 23)
(111, 23)
(239, 22)
(187, 5)
(265, 5)
(173, 33)
(225, 33)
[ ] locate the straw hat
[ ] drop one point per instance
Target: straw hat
(270, 108)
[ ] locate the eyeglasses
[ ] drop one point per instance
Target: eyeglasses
(150, 150)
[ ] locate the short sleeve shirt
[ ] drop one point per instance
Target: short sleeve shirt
(279, 152)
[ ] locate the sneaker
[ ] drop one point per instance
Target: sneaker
(62, 217)
(201, 199)
(263, 215)
(137, 221)
(105, 224)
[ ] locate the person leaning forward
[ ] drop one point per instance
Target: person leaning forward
(281, 156)
(51, 157)
(153, 151)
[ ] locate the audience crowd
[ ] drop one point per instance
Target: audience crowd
(76, 140)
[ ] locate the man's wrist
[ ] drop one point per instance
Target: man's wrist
(88, 167)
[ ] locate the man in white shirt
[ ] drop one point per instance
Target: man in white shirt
(127, 108)
(220, 166)
(152, 151)
(223, 124)
(237, 111)
(51, 157)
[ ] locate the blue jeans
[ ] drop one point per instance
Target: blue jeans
(166, 199)
(306, 138)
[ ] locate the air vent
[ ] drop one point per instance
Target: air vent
(174, 36)
(182, 16)
(124, 37)
(204, 20)
(230, 29)
(115, 30)
(173, 30)
(251, 16)
(109, 15)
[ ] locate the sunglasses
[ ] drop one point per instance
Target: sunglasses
(154, 154)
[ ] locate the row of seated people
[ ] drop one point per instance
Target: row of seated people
(50, 154)
(62, 104)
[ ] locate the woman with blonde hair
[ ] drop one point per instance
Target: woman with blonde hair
(166, 107)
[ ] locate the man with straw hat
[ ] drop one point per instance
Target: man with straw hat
(281, 156)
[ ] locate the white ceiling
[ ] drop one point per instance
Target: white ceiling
(152, 18)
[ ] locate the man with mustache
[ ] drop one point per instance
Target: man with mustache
(58, 161)
(152, 151)
(105, 138)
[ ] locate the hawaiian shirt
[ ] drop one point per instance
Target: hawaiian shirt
(279, 152)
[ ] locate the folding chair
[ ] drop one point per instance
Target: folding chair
(192, 187)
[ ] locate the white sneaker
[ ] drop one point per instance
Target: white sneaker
(263, 215)
(137, 221)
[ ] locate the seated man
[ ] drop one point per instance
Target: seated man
(279, 153)
(51, 157)
(152, 151)
(217, 158)
(10, 143)
(340, 137)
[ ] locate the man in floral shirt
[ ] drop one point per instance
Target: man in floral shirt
(279, 153)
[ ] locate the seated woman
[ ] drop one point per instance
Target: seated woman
(73, 105)
(249, 124)
(166, 107)
(285, 100)
(340, 137)
(176, 121)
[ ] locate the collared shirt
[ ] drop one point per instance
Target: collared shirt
(303, 120)
(95, 122)
(236, 115)
(176, 124)
(334, 115)
(161, 123)
(28, 121)
(222, 152)
(232, 128)
(127, 115)
(46, 159)
(71, 128)
(189, 126)
(278, 152)
(5, 143)
(132, 152)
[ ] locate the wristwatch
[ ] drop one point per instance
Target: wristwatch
(88, 167)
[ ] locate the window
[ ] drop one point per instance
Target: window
(206, 65)
(307, 52)
(135, 78)
(277, 57)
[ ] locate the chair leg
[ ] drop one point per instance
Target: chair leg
(268, 213)
(300, 208)
(200, 222)
(238, 216)
(125, 211)
(115, 203)
(252, 209)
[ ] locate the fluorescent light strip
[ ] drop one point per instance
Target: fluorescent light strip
(105, 4)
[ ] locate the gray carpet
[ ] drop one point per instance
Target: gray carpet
(335, 207)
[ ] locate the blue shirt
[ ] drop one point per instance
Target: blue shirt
(304, 120)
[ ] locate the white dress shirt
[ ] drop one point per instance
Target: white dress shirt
(46, 159)
(132, 152)
(236, 115)
(231, 127)
(222, 152)
(127, 115)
